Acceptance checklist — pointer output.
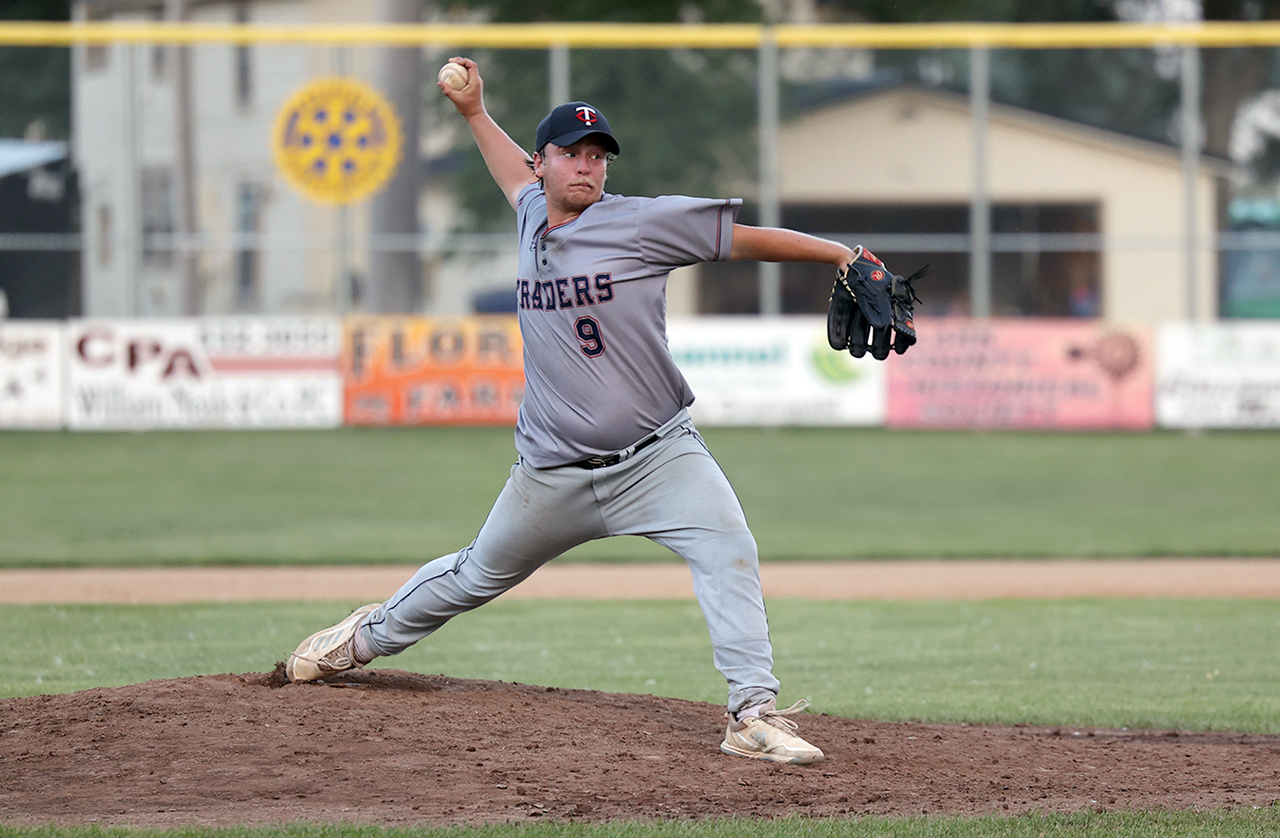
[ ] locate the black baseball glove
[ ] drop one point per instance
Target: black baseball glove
(872, 308)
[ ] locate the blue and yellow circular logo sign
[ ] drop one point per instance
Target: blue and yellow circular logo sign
(337, 140)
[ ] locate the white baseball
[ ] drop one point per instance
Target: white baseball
(454, 75)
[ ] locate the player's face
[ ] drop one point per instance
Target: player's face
(573, 176)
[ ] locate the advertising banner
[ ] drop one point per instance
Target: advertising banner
(774, 371)
(432, 370)
(215, 372)
(1219, 375)
(31, 370)
(1059, 374)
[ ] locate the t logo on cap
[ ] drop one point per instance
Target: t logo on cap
(572, 121)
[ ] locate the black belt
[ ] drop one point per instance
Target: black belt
(614, 459)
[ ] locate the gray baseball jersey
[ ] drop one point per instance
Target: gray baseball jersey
(592, 306)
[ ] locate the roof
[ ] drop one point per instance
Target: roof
(890, 85)
(22, 156)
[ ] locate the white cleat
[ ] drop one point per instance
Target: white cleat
(770, 737)
(329, 650)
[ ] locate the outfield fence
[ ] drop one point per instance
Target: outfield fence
(1139, 191)
(324, 371)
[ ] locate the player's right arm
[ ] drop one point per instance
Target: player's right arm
(508, 163)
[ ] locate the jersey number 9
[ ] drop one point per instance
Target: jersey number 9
(588, 331)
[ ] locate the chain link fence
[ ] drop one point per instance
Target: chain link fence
(1066, 171)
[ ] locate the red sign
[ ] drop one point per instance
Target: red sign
(1068, 374)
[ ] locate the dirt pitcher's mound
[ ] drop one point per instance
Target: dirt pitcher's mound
(390, 747)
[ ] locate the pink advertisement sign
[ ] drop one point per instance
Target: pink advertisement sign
(1067, 374)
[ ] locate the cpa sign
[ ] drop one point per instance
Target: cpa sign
(101, 346)
(203, 373)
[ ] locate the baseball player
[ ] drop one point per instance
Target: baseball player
(606, 446)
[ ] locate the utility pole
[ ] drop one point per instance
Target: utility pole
(186, 223)
(770, 273)
(980, 202)
(395, 269)
(1191, 132)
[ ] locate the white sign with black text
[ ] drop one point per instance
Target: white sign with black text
(214, 372)
(31, 370)
(774, 371)
(1218, 375)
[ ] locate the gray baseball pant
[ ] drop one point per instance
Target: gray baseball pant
(672, 492)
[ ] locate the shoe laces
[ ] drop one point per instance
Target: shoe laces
(338, 660)
(778, 719)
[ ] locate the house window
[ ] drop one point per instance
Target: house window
(157, 217)
(249, 200)
(105, 235)
(159, 52)
(1026, 281)
(96, 55)
(244, 63)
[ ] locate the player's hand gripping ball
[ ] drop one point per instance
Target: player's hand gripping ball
(872, 308)
(454, 75)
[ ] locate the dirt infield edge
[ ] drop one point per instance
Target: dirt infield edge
(941, 579)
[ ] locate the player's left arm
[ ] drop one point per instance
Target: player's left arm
(778, 244)
(870, 307)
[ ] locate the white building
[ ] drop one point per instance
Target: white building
(266, 248)
(269, 249)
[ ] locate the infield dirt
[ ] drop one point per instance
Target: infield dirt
(395, 748)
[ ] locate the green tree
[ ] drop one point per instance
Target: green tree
(624, 11)
(1232, 76)
(992, 11)
(1132, 91)
(688, 143)
(35, 82)
(1123, 90)
(1117, 89)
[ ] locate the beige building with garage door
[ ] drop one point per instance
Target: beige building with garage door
(893, 169)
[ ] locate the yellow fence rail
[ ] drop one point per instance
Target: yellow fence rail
(659, 36)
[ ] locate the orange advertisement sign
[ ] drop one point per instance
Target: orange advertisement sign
(1060, 374)
(400, 370)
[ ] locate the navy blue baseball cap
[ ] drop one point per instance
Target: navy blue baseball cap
(572, 121)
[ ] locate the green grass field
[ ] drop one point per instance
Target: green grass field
(363, 495)
(373, 495)
(1185, 664)
(1252, 824)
